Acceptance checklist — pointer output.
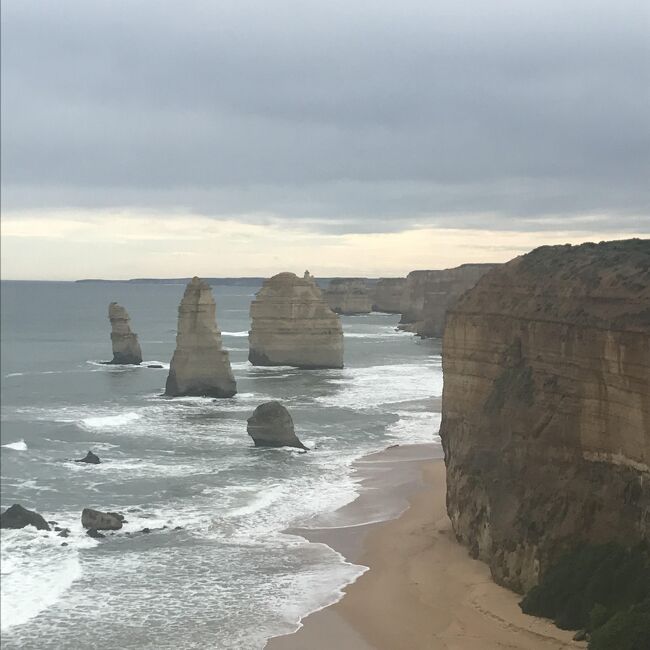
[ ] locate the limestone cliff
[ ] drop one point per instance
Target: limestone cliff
(546, 406)
(348, 296)
(293, 326)
(388, 295)
(429, 294)
(126, 349)
(200, 366)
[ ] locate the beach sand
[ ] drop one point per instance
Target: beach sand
(422, 590)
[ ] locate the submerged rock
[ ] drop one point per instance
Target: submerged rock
(18, 517)
(92, 532)
(89, 458)
(126, 349)
(97, 520)
(348, 296)
(200, 366)
(292, 325)
(271, 425)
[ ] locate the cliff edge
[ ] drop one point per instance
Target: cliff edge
(546, 407)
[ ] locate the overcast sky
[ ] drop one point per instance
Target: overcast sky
(227, 138)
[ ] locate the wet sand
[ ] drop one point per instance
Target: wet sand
(422, 590)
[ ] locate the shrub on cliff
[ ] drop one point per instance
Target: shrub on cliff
(604, 589)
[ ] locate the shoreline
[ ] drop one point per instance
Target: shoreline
(421, 589)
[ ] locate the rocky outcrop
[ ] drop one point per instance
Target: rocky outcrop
(546, 407)
(429, 294)
(18, 517)
(126, 349)
(97, 520)
(271, 425)
(293, 326)
(388, 295)
(348, 296)
(90, 458)
(200, 366)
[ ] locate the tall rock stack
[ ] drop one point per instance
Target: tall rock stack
(388, 295)
(293, 326)
(546, 407)
(429, 294)
(126, 349)
(348, 296)
(200, 366)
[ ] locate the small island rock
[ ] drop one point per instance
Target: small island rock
(97, 520)
(126, 349)
(18, 517)
(271, 425)
(89, 458)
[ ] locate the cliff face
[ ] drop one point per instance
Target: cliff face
(293, 326)
(126, 349)
(348, 296)
(388, 294)
(429, 294)
(546, 406)
(200, 366)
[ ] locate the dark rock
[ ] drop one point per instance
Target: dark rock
(64, 533)
(271, 426)
(117, 515)
(89, 458)
(64, 543)
(92, 532)
(178, 528)
(18, 517)
(94, 519)
(580, 635)
(155, 365)
(146, 530)
(53, 523)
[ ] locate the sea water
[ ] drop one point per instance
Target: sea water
(230, 577)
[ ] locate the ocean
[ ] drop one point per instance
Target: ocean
(230, 578)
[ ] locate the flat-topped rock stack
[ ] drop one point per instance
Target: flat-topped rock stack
(292, 325)
(348, 296)
(546, 407)
(429, 294)
(200, 366)
(126, 349)
(388, 295)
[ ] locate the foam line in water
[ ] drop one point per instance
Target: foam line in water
(19, 445)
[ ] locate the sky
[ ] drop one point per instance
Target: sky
(223, 138)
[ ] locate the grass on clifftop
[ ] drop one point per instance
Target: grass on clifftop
(603, 589)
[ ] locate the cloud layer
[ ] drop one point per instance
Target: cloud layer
(341, 116)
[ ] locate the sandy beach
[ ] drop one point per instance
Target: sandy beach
(422, 590)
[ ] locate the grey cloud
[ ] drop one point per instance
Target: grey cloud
(352, 117)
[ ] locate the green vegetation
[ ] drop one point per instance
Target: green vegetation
(604, 589)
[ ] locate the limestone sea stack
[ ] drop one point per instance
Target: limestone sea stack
(292, 325)
(348, 296)
(126, 349)
(271, 425)
(546, 407)
(388, 294)
(429, 294)
(200, 366)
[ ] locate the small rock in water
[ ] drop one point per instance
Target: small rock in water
(64, 533)
(64, 543)
(89, 458)
(154, 365)
(92, 532)
(271, 425)
(53, 523)
(178, 528)
(18, 517)
(146, 530)
(97, 520)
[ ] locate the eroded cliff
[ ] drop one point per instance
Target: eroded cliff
(348, 296)
(546, 406)
(388, 294)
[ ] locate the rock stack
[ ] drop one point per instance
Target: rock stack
(429, 294)
(271, 425)
(348, 296)
(388, 295)
(293, 326)
(200, 366)
(546, 407)
(126, 349)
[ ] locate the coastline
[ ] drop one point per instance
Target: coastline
(421, 589)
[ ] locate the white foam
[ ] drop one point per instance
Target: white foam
(14, 374)
(110, 421)
(237, 334)
(19, 445)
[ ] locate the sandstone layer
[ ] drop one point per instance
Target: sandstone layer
(200, 366)
(388, 295)
(546, 407)
(126, 349)
(429, 294)
(271, 425)
(348, 296)
(292, 325)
